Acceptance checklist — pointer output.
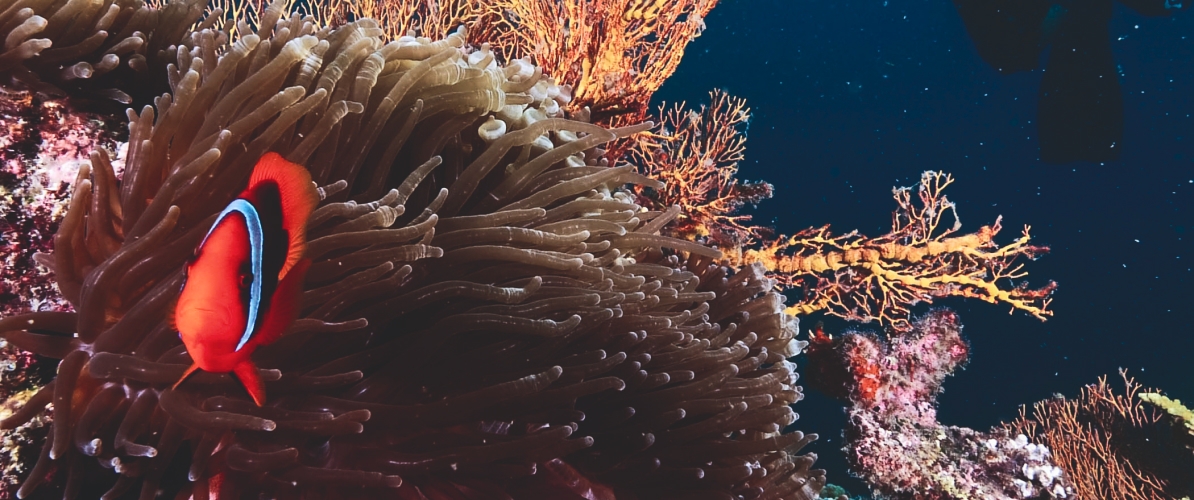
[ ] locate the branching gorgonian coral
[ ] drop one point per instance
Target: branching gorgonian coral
(849, 275)
(696, 155)
(488, 314)
(922, 258)
(859, 278)
(1113, 446)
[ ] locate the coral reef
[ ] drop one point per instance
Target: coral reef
(608, 58)
(893, 438)
(1112, 446)
(491, 314)
(488, 316)
(44, 144)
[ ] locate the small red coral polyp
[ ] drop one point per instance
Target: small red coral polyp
(866, 378)
(959, 352)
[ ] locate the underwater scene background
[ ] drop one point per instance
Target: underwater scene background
(851, 98)
(603, 249)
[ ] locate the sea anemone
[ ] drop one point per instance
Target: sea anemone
(102, 51)
(488, 315)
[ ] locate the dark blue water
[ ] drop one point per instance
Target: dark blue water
(853, 97)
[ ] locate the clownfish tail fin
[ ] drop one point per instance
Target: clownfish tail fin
(246, 371)
(193, 367)
(298, 197)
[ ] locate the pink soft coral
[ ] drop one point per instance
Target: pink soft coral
(894, 440)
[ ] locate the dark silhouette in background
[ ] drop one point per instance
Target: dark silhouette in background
(1080, 116)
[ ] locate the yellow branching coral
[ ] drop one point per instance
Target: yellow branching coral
(868, 279)
(1173, 407)
(696, 155)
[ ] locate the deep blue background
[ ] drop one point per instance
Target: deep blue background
(851, 98)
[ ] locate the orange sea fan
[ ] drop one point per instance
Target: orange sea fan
(696, 154)
(1113, 446)
(431, 18)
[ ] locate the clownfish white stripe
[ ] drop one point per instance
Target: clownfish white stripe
(256, 245)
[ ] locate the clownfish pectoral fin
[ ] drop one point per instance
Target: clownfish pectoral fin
(194, 366)
(285, 304)
(299, 199)
(246, 371)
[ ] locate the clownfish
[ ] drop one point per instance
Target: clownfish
(241, 289)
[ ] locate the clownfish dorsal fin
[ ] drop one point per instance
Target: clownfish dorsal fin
(298, 197)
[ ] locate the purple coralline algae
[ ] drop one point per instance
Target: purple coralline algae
(893, 438)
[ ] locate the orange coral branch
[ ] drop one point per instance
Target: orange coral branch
(434, 19)
(696, 155)
(1091, 438)
(869, 279)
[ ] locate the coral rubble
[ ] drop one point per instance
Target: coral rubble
(488, 315)
(894, 440)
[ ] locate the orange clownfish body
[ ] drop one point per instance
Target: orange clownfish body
(241, 290)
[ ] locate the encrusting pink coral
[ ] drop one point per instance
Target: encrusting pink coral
(894, 440)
